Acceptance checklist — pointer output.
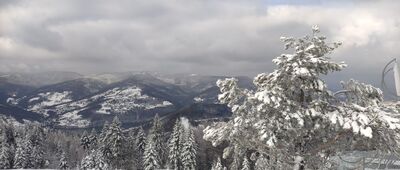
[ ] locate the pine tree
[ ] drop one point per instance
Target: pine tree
(294, 118)
(95, 160)
(102, 140)
(9, 135)
(103, 131)
(23, 154)
(140, 141)
(157, 136)
(150, 159)
(93, 139)
(5, 156)
(37, 157)
(89, 161)
(36, 137)
(217, 165)
(85, 141)
(140, 144)
(237, 153)
(112, 143)
(246, 164)
(9, 139)
(154, 152)
(63, 162)
(101, 162)
(130, 153)
(175, 146)
(116, 138)
(189, 150)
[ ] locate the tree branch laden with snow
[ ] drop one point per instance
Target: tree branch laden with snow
(292, 114)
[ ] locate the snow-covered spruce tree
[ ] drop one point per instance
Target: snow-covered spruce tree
(9, 138)
(236, 152)
(30, 149)
(130, 142)
(63, 162)
(154, 152)
(157, 136)
(140, 141)
(85, 141)
(175, 146)
(293, 118)
(23, 157)
(189, 150)
(100, 140)
(103, 131)
(37, 156)
(140, 145)
(112, 143)
(217, 165)
(130, 154)
(246, 164)
(5, 156)
(89, 161)
(95, 160)
(8, 133)
(93, 139)
(37, 137)
(150, 158)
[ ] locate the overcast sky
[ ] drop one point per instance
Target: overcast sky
(217, 37)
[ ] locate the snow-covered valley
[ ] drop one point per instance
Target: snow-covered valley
(137, 96)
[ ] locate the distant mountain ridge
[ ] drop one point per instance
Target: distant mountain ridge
(38, 79)
(135, 97)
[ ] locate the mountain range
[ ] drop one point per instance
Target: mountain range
(72, 100)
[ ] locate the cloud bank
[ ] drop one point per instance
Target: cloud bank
(203, 37)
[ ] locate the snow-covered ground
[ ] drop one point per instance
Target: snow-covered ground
(198, 99)
(73, 119)
(48, 99)
(122, 100)
(117, 100)
(12, 100)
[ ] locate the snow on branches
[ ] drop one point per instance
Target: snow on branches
(291, 114)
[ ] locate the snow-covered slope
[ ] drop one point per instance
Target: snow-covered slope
(60, 93)
(19, 114)
(45, 100)
(9, 91)
(84, 101)
(133, 96)
(121, 100)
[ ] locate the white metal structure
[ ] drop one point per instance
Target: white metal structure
(396, 71)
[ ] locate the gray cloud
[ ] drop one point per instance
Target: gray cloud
(206, 37)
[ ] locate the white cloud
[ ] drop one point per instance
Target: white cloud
(209, 37)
